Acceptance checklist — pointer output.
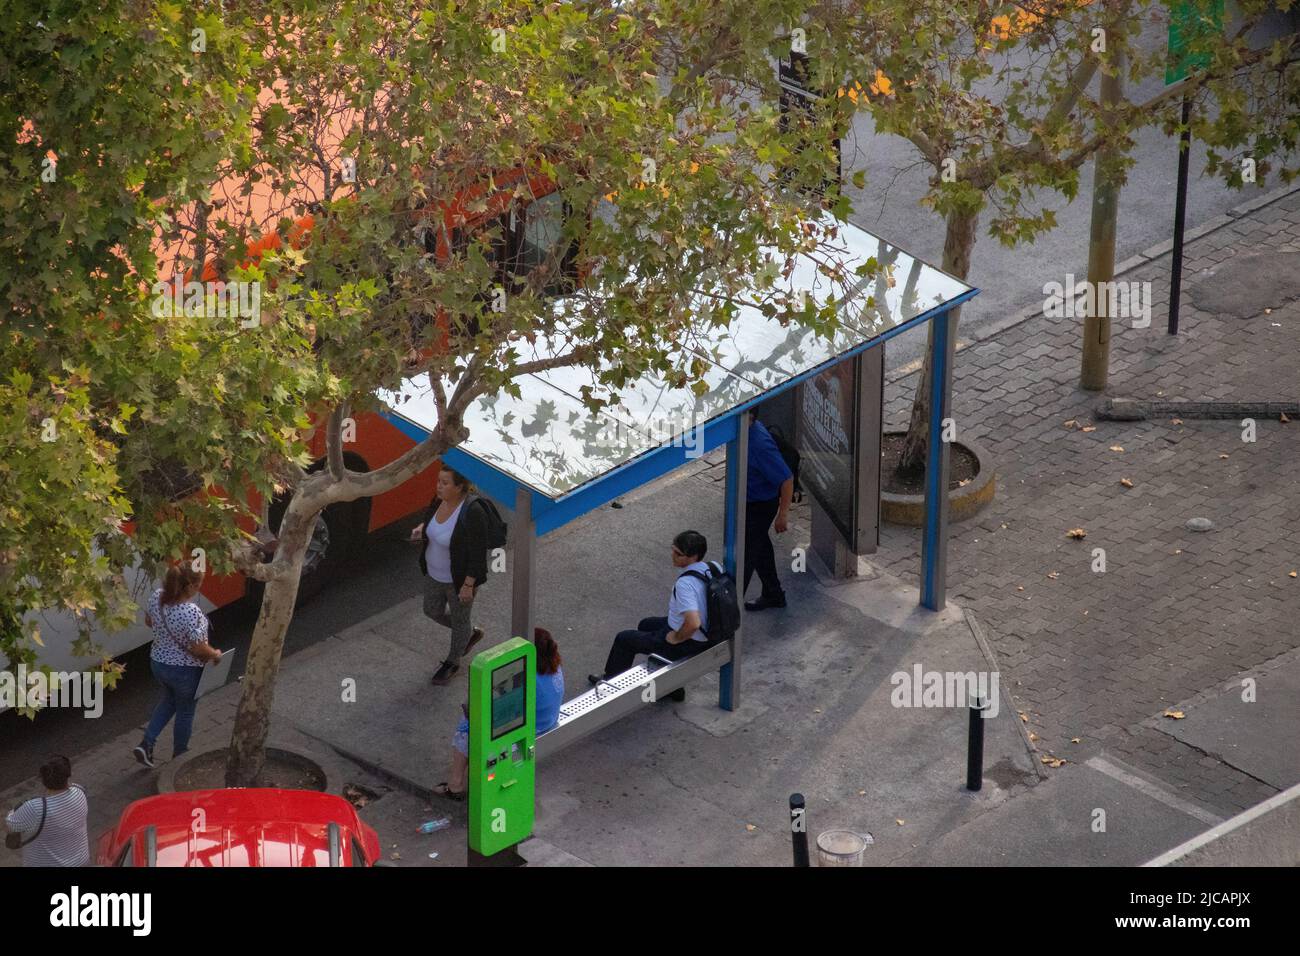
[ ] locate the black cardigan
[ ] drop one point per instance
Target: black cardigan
(468, 542)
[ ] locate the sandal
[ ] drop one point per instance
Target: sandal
(442, 790)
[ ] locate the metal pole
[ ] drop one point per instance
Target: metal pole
(799, 829)
(523, 601)
(737, 477)
(975, 745)
(1180, 216)
(934, 538)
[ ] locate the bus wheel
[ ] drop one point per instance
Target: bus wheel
(333, 537)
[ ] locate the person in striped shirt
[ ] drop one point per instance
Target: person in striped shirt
(53, 827)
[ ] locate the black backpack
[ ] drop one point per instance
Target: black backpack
(791, 456)
(497, 529)
(723, 605)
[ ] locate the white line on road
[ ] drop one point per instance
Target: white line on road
(1153, 791)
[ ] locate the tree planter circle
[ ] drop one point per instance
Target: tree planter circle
(963, 500)
(286, 767)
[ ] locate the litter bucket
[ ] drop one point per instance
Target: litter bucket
(842, 848)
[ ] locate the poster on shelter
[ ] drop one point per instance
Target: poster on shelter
(826, 443)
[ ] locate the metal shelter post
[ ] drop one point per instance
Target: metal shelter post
(934, 541)
(734, 534)
(523, 602)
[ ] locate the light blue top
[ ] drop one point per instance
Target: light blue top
(550, 695)
(691, 594)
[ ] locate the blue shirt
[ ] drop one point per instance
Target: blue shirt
(767, 469)
(690, 594)
(550, 695)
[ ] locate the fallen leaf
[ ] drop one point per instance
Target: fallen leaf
(1175, 421)
(1089, 428)
(900, 822)
(1069, 424)
(1175, 714)
(1053, 574)
(1281, 416)
(1020, 587)
(1126, 482)
(817, 710)
(1024, 718)
(1076, 533)
(1032, 736)
(1075, 740)
(1292, 574)
(862, 793)
(750, 827)
(1051, 761)
(1222, 457)
(394, 855)
(1116, 447)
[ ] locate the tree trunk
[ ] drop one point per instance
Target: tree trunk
(1095, 366)
(959, 240)
(253, 719)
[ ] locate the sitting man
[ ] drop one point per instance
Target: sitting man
(682, 632)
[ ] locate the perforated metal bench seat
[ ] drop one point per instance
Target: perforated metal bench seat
(624, 693)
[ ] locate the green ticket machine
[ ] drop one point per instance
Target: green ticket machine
(502, 746)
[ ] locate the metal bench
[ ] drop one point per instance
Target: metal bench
(620, 695)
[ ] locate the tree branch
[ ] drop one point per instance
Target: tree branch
(334, 442)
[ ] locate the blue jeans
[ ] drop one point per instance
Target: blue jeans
(180, 683)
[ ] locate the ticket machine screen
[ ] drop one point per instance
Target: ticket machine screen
(509, 697)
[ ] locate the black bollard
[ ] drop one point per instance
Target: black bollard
(799, 829)
(975, 745)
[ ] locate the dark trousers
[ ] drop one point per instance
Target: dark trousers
(759, 555)
(649, 637)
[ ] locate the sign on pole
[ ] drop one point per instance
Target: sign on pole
(1190, 21)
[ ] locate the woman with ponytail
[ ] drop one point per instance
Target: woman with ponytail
(180, 649)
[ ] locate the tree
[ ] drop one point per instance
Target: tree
(390, 123)
(995, 98)
(99, 117)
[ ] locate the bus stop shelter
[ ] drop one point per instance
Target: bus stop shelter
(552, 459)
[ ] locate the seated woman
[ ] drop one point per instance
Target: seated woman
(548, 697)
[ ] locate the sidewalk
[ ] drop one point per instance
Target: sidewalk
(1177, 622)
(1100, 656)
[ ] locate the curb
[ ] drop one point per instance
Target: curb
(908, 511)
(336, 773)
(1142, 258)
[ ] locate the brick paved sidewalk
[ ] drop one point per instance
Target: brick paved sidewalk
(1092, 655)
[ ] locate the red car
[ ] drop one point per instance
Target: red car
(252, 827)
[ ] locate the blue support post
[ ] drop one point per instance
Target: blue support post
(934, 540)
(734, 534)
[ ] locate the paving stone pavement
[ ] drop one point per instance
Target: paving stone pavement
(1093, 655)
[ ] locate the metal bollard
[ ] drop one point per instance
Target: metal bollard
(799, 829)
(975, 745)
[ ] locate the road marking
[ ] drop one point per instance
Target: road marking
(1153, 791)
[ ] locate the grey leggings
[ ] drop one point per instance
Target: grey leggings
(442, 603)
